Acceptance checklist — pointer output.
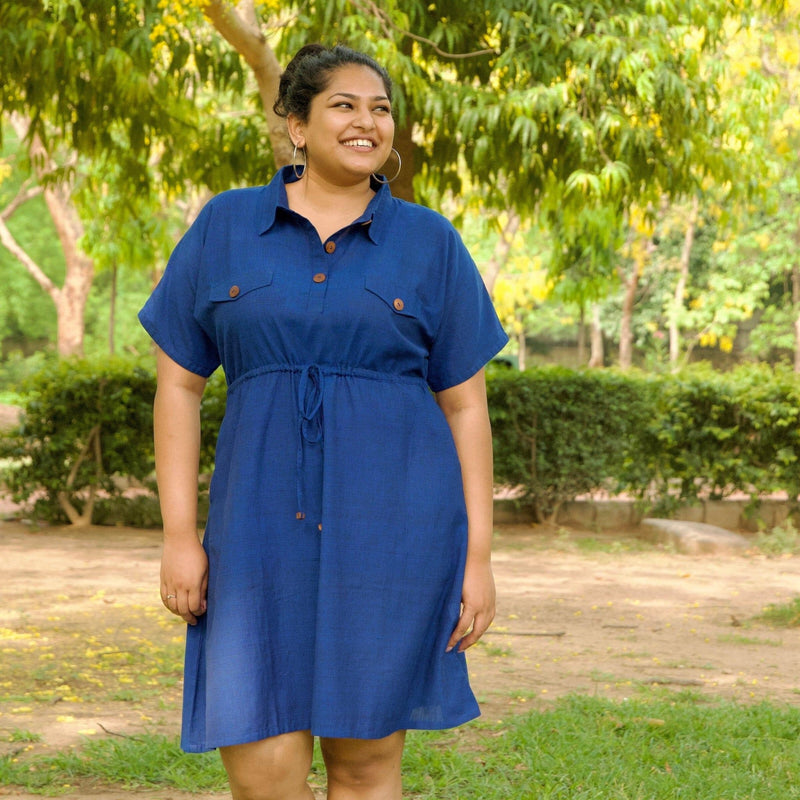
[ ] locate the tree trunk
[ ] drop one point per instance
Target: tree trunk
(796, 306)
(626, 322)
(238, 25)
(796, 302)
(522, 360)
(112, 311)
(70, 299)
(582, 335)
(596, 354)
(680, 286)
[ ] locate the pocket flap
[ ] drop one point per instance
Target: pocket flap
(402, 301)
(238, 285)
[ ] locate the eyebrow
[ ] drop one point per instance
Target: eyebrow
(350, 96)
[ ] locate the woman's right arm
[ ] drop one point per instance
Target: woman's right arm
(176, 418)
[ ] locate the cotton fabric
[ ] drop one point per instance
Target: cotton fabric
(337, 529)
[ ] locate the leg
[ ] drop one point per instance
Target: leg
(272, 769)
(364, 769)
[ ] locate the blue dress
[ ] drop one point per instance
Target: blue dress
(337, 529)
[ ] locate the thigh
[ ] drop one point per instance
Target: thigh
(275, 767)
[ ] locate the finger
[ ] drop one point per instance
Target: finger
(197, 601)
(480, 625)
(461, 629)
(183, 610)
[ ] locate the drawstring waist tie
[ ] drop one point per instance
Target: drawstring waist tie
(310, 400)
(310, 394)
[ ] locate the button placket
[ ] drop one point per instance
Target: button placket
(320, 277)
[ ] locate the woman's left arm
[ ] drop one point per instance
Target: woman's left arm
(467, 414)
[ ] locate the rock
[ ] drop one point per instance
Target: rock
(693, 538)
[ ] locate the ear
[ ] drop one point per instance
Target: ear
(296, 130)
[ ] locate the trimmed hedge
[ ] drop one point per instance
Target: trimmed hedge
(86, 430)
(711, 435)
(559, 433)
(86, 437)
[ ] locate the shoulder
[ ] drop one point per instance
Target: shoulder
(412, 220)
(420, 215)
(232, 210)
(237, 199)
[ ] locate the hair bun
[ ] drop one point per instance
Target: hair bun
(306, 75)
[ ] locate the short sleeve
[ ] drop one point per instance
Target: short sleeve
(469, 333)
(169, 313)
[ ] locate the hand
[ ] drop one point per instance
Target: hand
(184, 578)
(477, 605)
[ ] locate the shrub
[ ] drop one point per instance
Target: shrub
(559, 433)
(710, 434)
(86, 429)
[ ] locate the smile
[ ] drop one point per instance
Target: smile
(359, 143)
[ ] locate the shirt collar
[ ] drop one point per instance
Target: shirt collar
(374, 219)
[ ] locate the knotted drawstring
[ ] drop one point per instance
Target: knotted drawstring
(310, 392)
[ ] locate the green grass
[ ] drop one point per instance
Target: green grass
(19, 735)
(781, 540)
(782, 615)
(663, 748)
(732, 638)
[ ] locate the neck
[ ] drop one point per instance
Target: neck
(328, 206)
(315, 191)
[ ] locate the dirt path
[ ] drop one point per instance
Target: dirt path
(569, 620)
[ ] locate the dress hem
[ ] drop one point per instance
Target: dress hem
(320, 733)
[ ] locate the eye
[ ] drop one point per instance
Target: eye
(384, 109)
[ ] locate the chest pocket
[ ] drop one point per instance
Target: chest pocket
(402, 301)
(238, 286)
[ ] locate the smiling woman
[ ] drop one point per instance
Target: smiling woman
(345, 567)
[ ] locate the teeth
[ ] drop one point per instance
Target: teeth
(358, 143)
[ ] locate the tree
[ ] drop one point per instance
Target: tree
(87, 82)
(565, 114)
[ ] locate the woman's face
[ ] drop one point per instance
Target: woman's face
(350, 130)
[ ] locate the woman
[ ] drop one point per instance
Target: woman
(345, 566)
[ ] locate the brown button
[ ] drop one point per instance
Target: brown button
(233, 291)
(398, 304)
(319, 527)
(330, 247)
(319, 277)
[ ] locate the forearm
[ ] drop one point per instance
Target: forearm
(473, 439)
(177, 449)
(468, 417)
(465, 409)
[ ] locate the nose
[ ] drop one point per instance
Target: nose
(364, 119)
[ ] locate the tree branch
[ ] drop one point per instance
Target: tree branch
(238, 25)
(26, 192)
(85, 518)
(369, 7)
(10, 243)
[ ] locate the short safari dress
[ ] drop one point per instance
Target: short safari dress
(337, 528)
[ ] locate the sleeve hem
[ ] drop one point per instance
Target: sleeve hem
(449, 381)
(203, 370)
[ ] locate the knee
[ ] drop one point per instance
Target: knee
(269, 770)
(363, 763)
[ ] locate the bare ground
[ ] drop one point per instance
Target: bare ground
(569, 620)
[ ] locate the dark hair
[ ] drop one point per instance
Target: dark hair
(308, 74)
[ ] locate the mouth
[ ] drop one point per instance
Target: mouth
(359, 144)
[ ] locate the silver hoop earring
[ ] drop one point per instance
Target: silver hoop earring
(381, 179)
(297, 174)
